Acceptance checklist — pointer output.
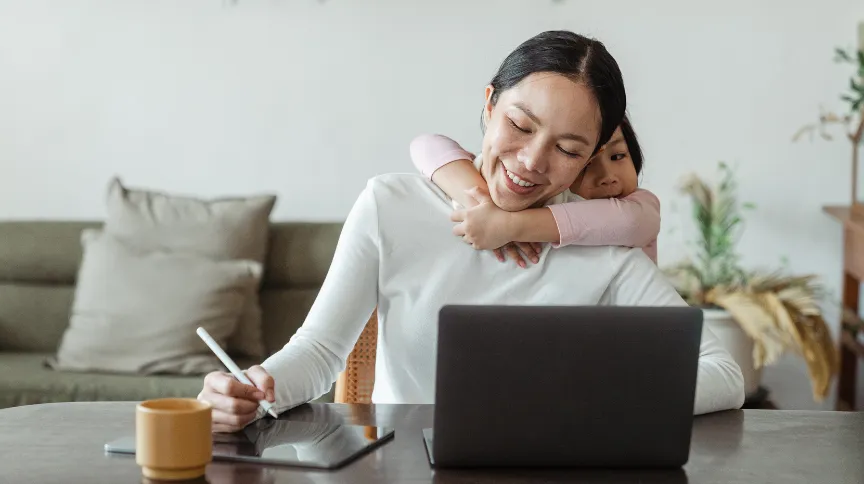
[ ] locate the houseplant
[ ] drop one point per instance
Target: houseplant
(852, 121)
(757, 315)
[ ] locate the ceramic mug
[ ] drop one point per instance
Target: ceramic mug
(173, 439)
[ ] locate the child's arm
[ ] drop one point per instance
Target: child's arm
(449, 166)
(651, 251)
(632, 221)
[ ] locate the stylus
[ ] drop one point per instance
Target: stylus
(232, 367)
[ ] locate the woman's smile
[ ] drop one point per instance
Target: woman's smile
(516, 183)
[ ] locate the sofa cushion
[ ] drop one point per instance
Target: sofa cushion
(25, 380)
(39, 261)
(284, 312)
(41, 251)
(136, 311)
(300, 254)
(220, 228)
(33, 317)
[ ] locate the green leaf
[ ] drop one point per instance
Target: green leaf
(856, 87)
(861, 57)
(716, 214)
(748, 206)
(840, 55)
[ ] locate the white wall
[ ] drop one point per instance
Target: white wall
(310, 99)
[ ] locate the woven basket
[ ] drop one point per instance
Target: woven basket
(355, 384)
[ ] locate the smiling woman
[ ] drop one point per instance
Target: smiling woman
(553, 103)
(555, 100)
(529, 158)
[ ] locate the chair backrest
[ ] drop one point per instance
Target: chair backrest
(355, 384)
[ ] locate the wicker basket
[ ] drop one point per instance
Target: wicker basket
(355, 384)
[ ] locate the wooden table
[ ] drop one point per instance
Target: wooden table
(64, 443)
(850, 349)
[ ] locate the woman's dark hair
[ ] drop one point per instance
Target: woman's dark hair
(577, 57)
(632, 144)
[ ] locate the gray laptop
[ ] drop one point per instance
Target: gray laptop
(599, 386)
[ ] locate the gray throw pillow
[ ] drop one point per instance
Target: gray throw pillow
(136, 311)
(219, 228)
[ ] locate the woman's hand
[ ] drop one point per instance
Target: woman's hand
(515, 250)
(235, 404)
(487, 227)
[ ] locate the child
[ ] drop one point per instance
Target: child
(615, 211)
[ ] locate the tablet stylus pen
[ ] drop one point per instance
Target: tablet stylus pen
(232, 367)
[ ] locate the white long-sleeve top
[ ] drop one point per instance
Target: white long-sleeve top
(397, 252)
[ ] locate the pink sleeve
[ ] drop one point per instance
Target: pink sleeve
(632, 221)
(432, 151)
(651, 250)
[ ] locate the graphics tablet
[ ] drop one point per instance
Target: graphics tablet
(320, 445)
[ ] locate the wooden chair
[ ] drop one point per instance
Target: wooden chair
(355, 384)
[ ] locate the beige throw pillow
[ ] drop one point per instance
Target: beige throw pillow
(220, 228)
(136, 311)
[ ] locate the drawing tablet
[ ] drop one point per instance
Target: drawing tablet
(320, 445)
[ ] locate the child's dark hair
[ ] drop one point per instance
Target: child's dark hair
(632, 144)
(577, 57)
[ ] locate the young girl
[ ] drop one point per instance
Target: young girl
(615, 211)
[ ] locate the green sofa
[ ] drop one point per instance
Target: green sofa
(38, 265)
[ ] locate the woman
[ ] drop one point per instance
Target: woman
(554, 102)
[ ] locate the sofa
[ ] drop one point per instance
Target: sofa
(39, 261)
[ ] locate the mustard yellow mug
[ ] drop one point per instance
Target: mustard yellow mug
(173, 439)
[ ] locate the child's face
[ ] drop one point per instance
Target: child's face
(609, 174)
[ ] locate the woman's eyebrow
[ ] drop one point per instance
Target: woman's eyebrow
(527, 112)
(530, 114)
(575, 137)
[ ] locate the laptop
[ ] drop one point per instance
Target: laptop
(540, 386)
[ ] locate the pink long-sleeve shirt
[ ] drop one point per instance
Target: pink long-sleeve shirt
(630, 221)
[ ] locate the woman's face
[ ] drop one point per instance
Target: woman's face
(610, 173)
(539, 136)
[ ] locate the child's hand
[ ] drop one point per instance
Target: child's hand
(487, 227)
(484, 226)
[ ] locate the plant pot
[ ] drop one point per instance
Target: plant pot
(737, 343)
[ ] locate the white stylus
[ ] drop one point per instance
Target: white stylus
(232, 367)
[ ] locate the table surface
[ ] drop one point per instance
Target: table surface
(64, 442)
